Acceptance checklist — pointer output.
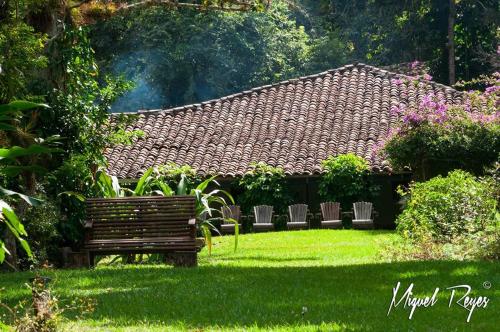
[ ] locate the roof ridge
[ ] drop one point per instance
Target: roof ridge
(340, 69)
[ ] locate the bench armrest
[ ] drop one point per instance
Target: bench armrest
(192, 221)
(88, 224)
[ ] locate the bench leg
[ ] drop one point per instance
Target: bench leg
(91, 259)
(185, 259)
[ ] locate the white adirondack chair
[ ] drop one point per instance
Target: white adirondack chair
(363, 215)
(263, 218)
(331, 215)
(298, 216)
(233, 212)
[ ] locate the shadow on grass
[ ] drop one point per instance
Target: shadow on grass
(356, 296)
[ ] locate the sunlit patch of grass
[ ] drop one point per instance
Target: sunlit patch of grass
(318, 280)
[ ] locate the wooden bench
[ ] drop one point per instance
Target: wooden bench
(132, 225)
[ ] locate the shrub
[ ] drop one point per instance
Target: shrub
(436, 137)
(432, 149)
(264, 185)
(456, 212)
(41, 224)
(73, 175)
(171, 174)
(345, 179)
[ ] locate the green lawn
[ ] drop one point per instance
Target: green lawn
(339, 276)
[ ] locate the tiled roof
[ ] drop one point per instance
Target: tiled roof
(293, 124)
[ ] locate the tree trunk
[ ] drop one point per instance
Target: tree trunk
(451, 42)
(4, 10)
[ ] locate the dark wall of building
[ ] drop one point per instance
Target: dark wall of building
(305, 190)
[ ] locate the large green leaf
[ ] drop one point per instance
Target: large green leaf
(15, 226)
(165, 189)
(17, 151)
(142, 184)
(202, 186)
(208, 237)
(12, 220)
(182, 185)
(25, 246)
(28, 199)
(20, 106)
(3, 251)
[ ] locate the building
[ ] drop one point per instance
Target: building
(293, 124)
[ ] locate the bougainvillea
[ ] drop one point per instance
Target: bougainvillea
(438, 136)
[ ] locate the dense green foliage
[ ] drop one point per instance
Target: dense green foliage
(181, 57)
(41, 223)
(345, 179)
(394, 31)
(435, 149)
(292, 281)
(187, 56)
(264, 185)
(21, 55)
(456, 210)
(18, 165)
(80, 104)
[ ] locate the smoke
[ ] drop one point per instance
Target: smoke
(142, 96)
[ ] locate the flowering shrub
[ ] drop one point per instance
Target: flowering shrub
(437, 136)
(456, 214)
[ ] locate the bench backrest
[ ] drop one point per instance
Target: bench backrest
(330, 211)
(362, 210)
(298, 212)
(231, 211)
(263, 214)
(140, 217)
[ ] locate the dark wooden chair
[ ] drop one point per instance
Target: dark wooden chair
(331, 215)
(132, 225)
(298, 217)
(263, 218)
(233, 212)
(363, 215)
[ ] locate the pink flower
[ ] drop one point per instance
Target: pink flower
(397, 110)
(492, 89)
(427, 77)
(397, 81)
(415, 64)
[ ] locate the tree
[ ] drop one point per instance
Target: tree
(390, 32)
(184, 56)
(452, 12)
